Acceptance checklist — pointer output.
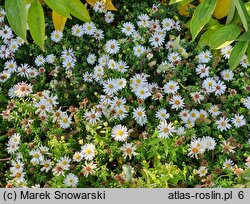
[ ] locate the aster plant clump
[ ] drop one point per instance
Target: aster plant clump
(121, 101)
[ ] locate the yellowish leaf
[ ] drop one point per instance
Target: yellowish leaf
(109, 5)
(221, 8)
(185, 10)
(91, 2)
(58, 21)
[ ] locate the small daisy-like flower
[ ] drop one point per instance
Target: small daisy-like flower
(128, 150)
(196, 147)
(98, 35)
(238, 120)
(89, 28)
(89, 168)
(209, 142)
(40, 60)
(228, 164)
(77, 30)
(112, 47)
(176, 102)
(128, 28)
(167, 24)
(51, 58)
(11, 66)
(46, 165)
(209, 85)
(162, 114)
(157, 39)
(36, 156)
(204, 56)
(58, 170)
(174, 57)
(88, 151)
(142, 92)
(109, 17)
(227, 147)
(165, 129)
(171, 87)
(65, 121)
(121, 66)
(220, 88)
(77, 156)
(20, 90)
(197, 97)
(214, 110)
(227, 75)
(6, 32)
(226, 51)
(92, 116)
(140, 116)
(119, 133)
(202, 171)
(246, 102)
(71, 180)
(223, 124)
(202, 70)
(143, 20)
(99, 7)
(110, 87)
(91, 59)
(64, 162)
(139, 50)
(2, 14)
(56, 36)
(244, 61)
(17, 165)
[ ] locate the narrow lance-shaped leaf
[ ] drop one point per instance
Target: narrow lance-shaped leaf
(224, 36)
(237, 53)
(201, 16)
(36, 23)
(230, 13)
(59, 6)
(58, 21)
(78, 10)
(17, 16)
(243, 13)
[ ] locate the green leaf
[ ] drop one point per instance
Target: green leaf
(78, 10)
(59, 6)
(237, 53)
(248, 52)
(205, 38)
(230, 13)
(243, 13)
(17, 16)
(36, 23)
(224, 36)
(175, 1)
(244, 37)
(246, 175)
(201, 16)
(176, 43)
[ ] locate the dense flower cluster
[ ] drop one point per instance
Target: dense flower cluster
(133, 88)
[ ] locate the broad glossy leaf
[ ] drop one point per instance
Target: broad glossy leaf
(244, 37)
(243, 13)
(58, 21)
(78, 10)
(36, 23)
(224, 36)
(201, 16)
(174, 1)
(237, 53)
(59, 6)
(205, 38)
(17, 16)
